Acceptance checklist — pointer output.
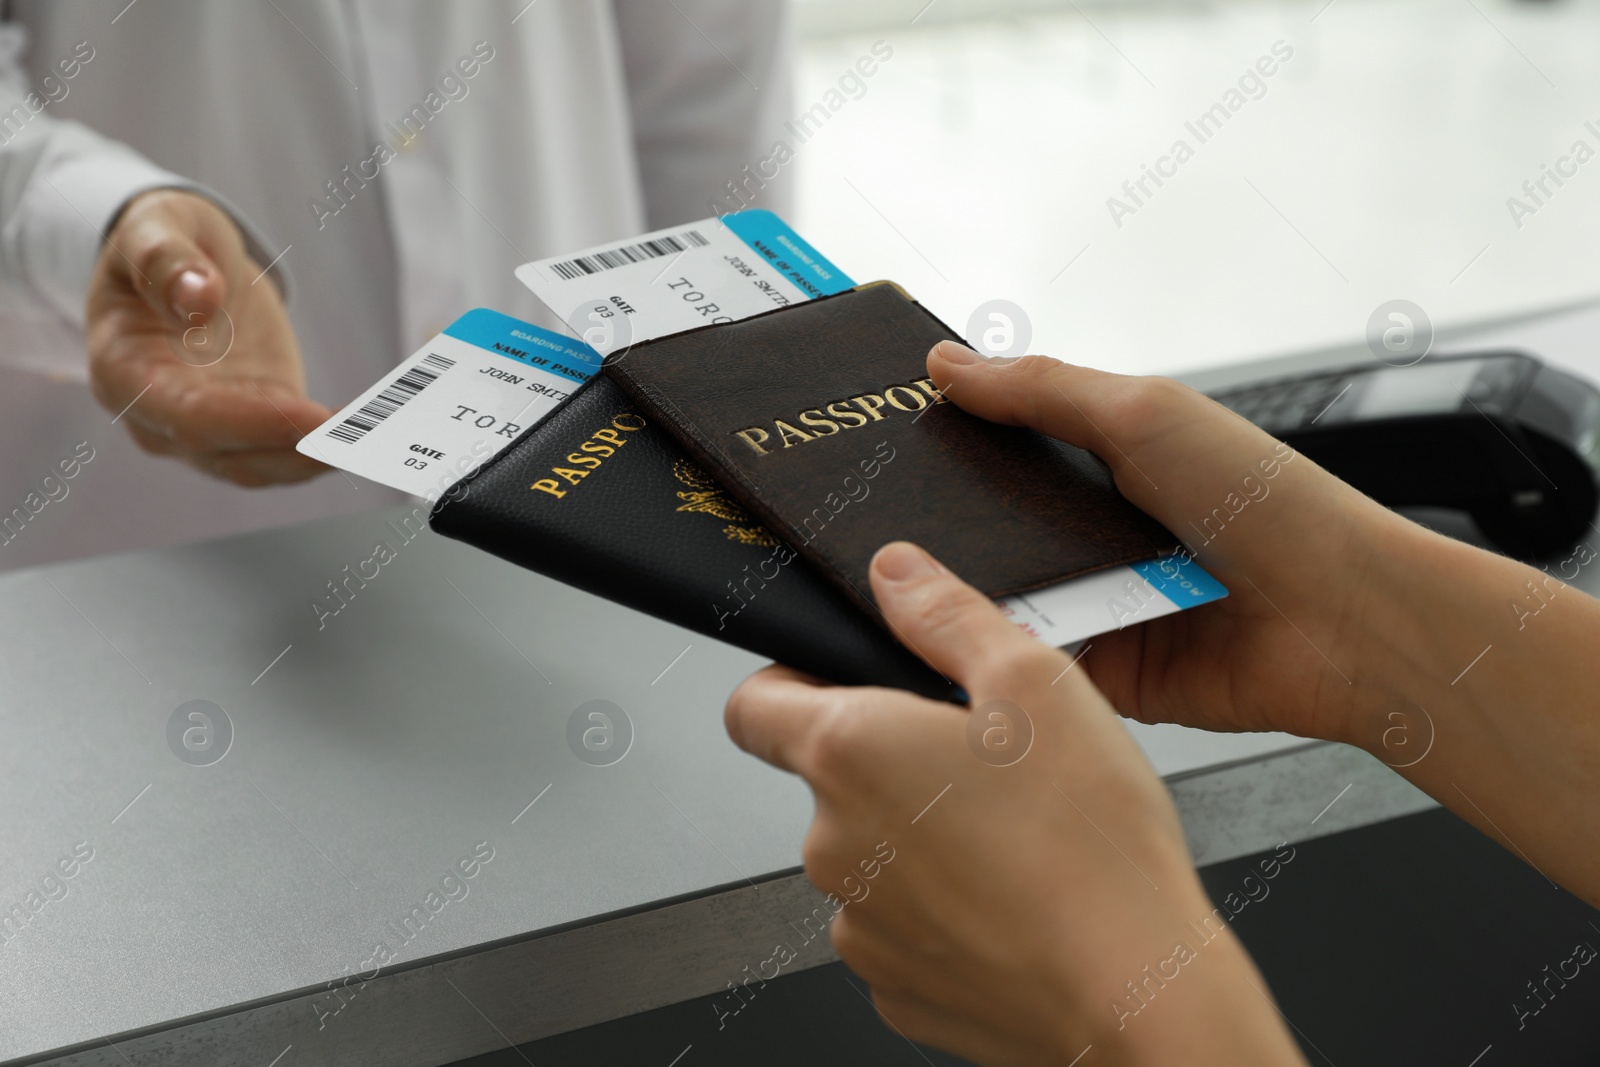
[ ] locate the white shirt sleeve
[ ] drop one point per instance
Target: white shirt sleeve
(62, 186)
(709, 83)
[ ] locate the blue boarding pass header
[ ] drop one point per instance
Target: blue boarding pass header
(1181, 580)
(788, 253)
(526, 343)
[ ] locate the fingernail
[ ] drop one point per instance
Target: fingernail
(957, 353)
(186, 290)
(903, 561)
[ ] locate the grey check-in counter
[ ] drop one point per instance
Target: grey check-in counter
(252, 821)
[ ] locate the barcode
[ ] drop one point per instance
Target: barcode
(389, 401)
(570, 269)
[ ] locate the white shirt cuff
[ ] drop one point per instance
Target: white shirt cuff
(68, 213)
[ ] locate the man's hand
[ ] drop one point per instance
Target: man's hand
(1001, 904)
(1308, 639)
(190, 343)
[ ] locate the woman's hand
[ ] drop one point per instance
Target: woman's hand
(1012, 881)
(1314, 569)
(1472, 675)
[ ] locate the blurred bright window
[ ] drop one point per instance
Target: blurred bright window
(1027, 150)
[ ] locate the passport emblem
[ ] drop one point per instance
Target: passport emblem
(707, 497)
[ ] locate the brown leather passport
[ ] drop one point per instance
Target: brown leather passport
(820, 419)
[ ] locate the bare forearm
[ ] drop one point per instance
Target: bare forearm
(1215, 1009)
(1498, 715)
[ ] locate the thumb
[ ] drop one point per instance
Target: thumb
(165, 243)
(951, 625)
(196, 288)
(1153, 433)
(183, 284)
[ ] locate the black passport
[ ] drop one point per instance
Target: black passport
(599, 497)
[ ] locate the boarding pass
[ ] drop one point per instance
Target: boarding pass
(458, 402)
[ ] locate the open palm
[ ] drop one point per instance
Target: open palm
(190, 343)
